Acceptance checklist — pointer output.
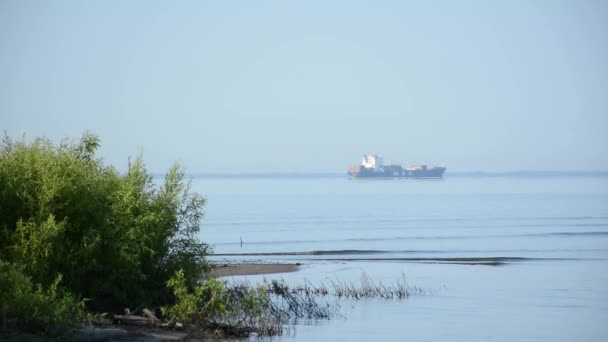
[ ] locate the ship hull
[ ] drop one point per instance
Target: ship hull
(361, 172)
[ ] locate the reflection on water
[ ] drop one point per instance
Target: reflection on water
(549, 235)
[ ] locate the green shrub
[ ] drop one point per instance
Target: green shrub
(215, 304)
(116, 238)
(207, 303)
(30, 307)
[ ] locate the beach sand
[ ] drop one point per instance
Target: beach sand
(228, 270)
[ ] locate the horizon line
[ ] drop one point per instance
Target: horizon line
(332, 174)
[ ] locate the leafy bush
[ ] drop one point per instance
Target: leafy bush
(116, 238)
(237, 310)
(30, 307)
(208, 302)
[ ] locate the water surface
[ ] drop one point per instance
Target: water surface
(542, 244)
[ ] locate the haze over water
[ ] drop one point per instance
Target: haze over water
(549, 235)
(309, 86)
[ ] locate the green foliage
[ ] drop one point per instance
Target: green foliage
(208, 301)
(34, 308)
(116, 238)
(213, 303)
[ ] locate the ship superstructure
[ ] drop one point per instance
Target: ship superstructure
(372, 165)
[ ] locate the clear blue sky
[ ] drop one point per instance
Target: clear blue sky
(311, 85)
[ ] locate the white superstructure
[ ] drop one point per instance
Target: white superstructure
(372, 161)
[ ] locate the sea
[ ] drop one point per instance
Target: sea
(494, 258)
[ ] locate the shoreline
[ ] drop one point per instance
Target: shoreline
(229, 270)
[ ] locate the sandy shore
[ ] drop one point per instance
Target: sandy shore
(252, 269)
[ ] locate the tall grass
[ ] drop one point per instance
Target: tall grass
(368, 288)
(240, 308)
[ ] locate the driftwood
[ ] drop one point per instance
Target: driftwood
(149, 320)
(150, 315)
(134, 320)
(169, 324)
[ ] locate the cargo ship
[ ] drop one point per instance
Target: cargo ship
(372, 166)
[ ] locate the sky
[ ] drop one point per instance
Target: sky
(310, 86)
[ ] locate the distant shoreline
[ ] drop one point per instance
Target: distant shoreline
(448, 174)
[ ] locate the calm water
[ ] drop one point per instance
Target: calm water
(557, 291)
